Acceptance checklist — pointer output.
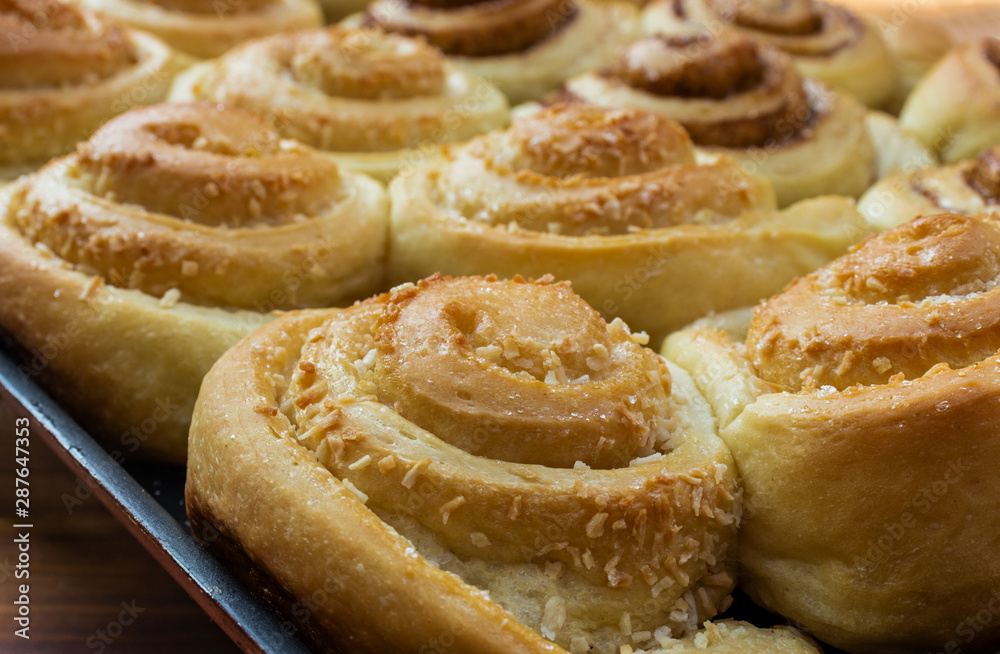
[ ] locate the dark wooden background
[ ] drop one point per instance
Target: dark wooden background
(84, 566)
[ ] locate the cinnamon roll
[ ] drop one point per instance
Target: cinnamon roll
(128, 267)
(916, 40)
(862, 409)
(747, 101)
(379, 103)
(525, 47)
(968, 187)
(479, 460)
(955, 109)
(208, 29)
(676, 235)
(826, 42)
(64, 71)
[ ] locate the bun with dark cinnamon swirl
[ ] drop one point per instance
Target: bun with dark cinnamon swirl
(955, 109)
(863, 411)
(377, 102)
(968, 187)
(207, 29)
(64, 71)
(131, 265)
(676, 235)
(827, 43)
(525, 47)
(487, 459)
(745, 100)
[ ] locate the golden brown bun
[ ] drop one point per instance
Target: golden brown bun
(862, 411)
(64, 71)
(677, 236)
(480, 458)
(209, 28)
(827, 42)
(955, 109)
(525, 47)
(968, 187)
(128, 267)
(747, 101)
(379, 103)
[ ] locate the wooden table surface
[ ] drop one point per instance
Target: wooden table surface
(88, 576)
(93, 587)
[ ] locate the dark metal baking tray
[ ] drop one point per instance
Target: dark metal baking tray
(149, 500)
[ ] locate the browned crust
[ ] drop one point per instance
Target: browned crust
(480, 29)
(308, 532)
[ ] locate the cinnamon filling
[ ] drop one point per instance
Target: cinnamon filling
(780, 17)
(984, 175)
(692, 66)
(726, 69)
(991, 50)
(481, 28)
(51, 44)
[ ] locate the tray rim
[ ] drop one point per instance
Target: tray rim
(248, 623)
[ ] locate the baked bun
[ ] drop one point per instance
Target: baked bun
(379, 103)
(207, 29)
(969, 187)
(917, 41)
(955, 109)
(480, 458)
(128, 267)
(676, 235)
(862, 411)
(525, 47)
(64, 71)
(828, 43)
(747, 101)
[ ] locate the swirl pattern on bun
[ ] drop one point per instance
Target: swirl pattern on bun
(459, 436)
(208, 29)
(678, 235)
(747, 101)
(967, 187)
(378, 102)
(162, 241)
(525, 47)
(955, 109)
(64, 71)
(862, 409)
(828, 43)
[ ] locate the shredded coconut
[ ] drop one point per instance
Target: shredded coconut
(554, 617)
(170, 299)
